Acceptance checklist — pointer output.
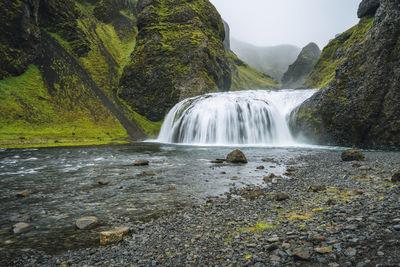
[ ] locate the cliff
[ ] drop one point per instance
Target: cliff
(360, 106)
(81, 71)
(297, 72)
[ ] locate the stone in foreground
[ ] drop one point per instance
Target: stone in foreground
(24, 193)
(21, 227)
(236, 156)
(281, 196)
(141, 162)
(301, 254)
(113, 236)
(85, 223)
(323, 250)
(316, 188)
(396, 177)
(352, 155)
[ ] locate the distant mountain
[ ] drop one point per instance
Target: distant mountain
(271, 60)
(297, 73)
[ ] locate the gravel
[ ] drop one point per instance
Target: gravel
(353, 222)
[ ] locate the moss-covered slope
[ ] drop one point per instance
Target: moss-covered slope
(335, 52)
(245, 77)
(65, 89)
(179, 54)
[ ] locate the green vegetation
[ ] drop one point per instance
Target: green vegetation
(249, 78)
(335, 52)
(30, 116)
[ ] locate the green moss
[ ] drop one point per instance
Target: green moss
(335, 52)
(150, 128)
(30, 115)
(249, 78)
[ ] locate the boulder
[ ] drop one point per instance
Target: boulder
(316, 188)
(21, 227)
(113, 236)
(103, 182)
(367, 8)
(396, 177)
(236, 156)
(352, 155)
(86, 223)
(141, 162)
(281, 196)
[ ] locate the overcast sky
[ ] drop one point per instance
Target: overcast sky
(298, 22)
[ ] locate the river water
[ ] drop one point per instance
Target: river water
(63, 182)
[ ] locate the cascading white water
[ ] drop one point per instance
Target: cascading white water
(234, 118)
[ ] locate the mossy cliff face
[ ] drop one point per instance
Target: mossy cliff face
(297, 72)
(360, 107)
(19, 36)
(68, 66)
(179, 54)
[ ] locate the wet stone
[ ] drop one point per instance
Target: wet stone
(24, 193)
(323, 250)
(260, 167)
(21, 227)
(103, 182)
(316, 188)
(86, 223)
(352, 155)
(281, 196)
(301, 253)
(141, 162)
(236, 156)
(113, 236)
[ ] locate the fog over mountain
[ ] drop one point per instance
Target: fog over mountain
(297, 22)
(272, 60)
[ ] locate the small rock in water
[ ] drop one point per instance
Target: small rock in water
(171, 187)
(291, 169)
(266, 179)
(316, 188)
(352, 155)
(113, 236)
(281, 196)
(217, 161)
(24, 193)
(273, 239)
(323, 250)
(86, 223)
(301, 253)
(141, 162)
(236, 156)
(21, 227)
(235, 178)
(269, 160)
(103, 182)
(260, 167)
(272, 175)
(148, 173)
(396, 177)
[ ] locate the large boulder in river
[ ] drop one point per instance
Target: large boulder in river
(367, 8)
(361, 105)
(236, 156)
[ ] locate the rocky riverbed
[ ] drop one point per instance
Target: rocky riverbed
(322, 212)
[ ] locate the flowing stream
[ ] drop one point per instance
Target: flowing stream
(257, 117)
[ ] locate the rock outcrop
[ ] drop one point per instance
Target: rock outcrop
(368, 8)
(297, 73)
(360, 107)
(227, 40)
(179, 54)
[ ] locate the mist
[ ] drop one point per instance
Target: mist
(296, 22)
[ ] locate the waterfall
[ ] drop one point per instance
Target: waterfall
(256, 117)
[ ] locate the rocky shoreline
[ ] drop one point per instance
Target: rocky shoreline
(335, 213)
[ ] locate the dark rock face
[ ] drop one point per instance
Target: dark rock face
(368, 8)
(360, 107)
(19, 36)
(297, 73)
(179, 54)
(227, 40)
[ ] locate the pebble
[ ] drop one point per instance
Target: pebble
(24, 193)
(281, 196)
(21, 227)
(104, 182)
(323, 250)
(141, 162)
(86, 223)
(301, 253)
(350, 252)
